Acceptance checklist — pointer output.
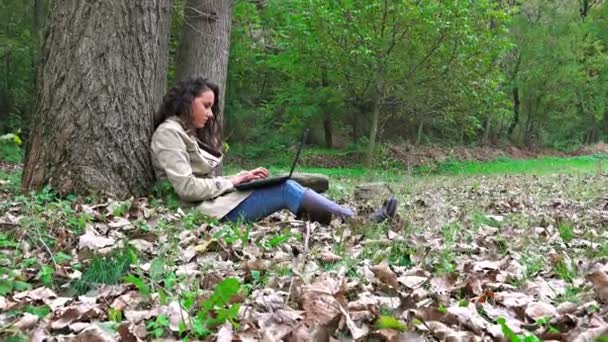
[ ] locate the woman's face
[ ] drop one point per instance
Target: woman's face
(201, 108)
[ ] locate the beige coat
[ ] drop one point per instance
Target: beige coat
(177, 156)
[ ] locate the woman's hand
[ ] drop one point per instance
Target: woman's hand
(246, 176)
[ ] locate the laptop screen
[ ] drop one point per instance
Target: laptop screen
(295, 161)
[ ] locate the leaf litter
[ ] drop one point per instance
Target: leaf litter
(480, 259)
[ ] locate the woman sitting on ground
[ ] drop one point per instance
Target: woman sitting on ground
(178, 155)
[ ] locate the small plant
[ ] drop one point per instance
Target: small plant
(46, 275)
(390, 322)
(193, 219)
(566, 232)
(512, 337)
(121, 209)
(106, 270)
(533, 265)
(218, 309)
(275, 241)
(565, 271)
(11, 282)
(159, 326)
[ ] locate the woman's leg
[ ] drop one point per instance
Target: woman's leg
(289, 195)
(266, 201)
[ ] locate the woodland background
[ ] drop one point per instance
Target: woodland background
(525, 73)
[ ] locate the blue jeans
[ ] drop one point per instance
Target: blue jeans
(266, 201)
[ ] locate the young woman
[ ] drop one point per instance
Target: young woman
(180, 156)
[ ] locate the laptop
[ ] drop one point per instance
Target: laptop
(269, 181)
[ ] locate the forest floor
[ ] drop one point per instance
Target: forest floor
(518, 257)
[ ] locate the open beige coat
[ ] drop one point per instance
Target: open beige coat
(177, 157)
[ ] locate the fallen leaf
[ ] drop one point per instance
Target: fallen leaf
(412, 282)
(225, 333)
(327, 256)
(599, 279)
(27, 321)
(385, 275)
(94, 241)
(320, 301)
(539, 310)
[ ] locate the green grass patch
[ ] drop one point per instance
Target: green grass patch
(10, 152)
(540, 166)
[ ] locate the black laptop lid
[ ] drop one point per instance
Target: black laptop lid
(295, 161)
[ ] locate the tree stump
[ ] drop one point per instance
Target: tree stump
(372, 191)
(315, 181)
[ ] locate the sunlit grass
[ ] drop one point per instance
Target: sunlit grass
(540, 166)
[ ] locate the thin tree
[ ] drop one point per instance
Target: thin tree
(203, 50)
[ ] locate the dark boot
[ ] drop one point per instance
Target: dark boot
(316, 207)
(387, 211)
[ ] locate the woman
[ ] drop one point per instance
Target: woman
(183, 159)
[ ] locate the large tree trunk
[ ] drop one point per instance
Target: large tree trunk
(203, 51)
(101, 78)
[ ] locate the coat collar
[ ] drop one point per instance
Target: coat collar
(213, 158)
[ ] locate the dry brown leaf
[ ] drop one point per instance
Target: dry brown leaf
(567, 308)
(539, 310)
(94, 242)
(599, 279)
(74, 313)
(444, 333)
(412, 282)
(142, 246)
(225, 333)
(3, 303)
(327, 256)
(442, 285)
(27, 321)
(469, 317)
(384, 273)
(176, 315)
(276, 326)
(94, 334)
(321, 301)
(38, 294)
(127, 300)
(512, 299)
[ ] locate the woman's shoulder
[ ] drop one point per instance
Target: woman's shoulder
(172, 123)
(169, 132)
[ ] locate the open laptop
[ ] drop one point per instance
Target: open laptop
(269, 181)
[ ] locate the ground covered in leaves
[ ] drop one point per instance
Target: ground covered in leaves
(517, 258)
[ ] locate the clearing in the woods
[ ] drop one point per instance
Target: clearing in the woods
(514, 249)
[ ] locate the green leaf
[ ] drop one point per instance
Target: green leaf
(390, 322)
(139, 283)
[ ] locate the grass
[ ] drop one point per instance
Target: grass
(540, 166)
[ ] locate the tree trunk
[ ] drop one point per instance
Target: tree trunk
(328, 128)
(379, 96)
(355, 124)
(203, 51)
(327, 122)
(516, 105)
(420, 130)
(101, 79)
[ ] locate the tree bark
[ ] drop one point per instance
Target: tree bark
(327, 122)
(516, 105)
(379, 97)
(101, 78)
(420, 130)
(203, 51)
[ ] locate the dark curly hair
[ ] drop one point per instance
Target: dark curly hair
(178, 102)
